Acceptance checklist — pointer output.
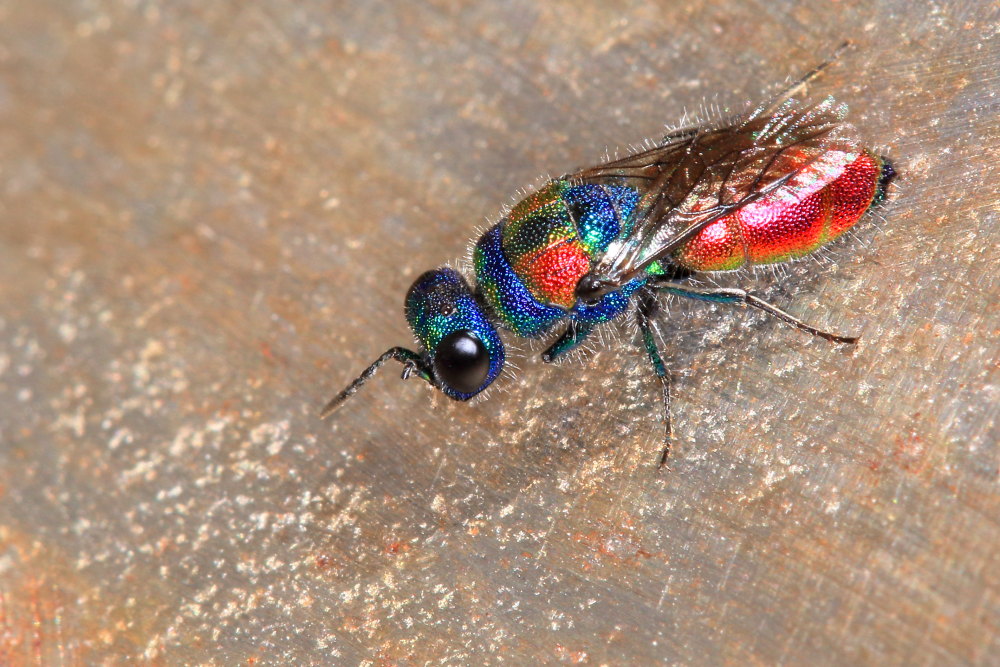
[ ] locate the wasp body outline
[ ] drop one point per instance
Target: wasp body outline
(773, 185)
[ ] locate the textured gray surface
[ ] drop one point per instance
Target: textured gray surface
(210, 213)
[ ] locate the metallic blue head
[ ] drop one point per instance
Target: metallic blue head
(463, 353)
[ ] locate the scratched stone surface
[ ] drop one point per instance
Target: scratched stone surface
(210, 214)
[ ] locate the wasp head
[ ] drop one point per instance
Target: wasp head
(462, 351)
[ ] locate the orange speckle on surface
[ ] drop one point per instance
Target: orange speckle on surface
(394, 548)
(324, 561)
(571, 657)
(910, 453)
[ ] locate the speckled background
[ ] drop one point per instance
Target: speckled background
(210, 212)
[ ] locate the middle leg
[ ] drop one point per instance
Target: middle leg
(644, 314)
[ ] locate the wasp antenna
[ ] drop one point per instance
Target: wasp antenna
(816, 71)
(408, 358)
(796, 87)
(844, 46)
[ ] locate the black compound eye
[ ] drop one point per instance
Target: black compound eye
(461, 361)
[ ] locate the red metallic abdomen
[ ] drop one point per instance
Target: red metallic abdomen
(779, 228)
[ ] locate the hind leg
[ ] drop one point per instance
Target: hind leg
(739, 296)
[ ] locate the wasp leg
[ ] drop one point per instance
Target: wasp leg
(644, 314)
(735, 295)
(570, 339)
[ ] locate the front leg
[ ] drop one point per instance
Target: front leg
(571, 338)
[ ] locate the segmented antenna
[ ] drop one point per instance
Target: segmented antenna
(411, 361)
(803, 81)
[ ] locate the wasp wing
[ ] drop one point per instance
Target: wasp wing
(699, 176)
(640, 170)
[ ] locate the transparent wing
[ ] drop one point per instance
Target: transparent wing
(641, 170)
(696, 177)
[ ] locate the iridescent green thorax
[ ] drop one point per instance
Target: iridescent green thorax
(527, 267)
(551, 237)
